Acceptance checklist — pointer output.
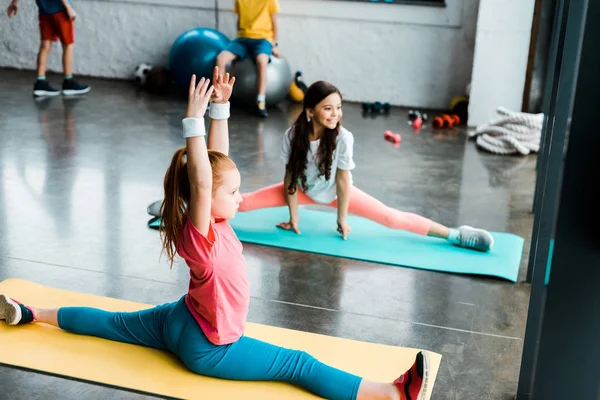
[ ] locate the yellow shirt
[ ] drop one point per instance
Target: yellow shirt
(255, 18)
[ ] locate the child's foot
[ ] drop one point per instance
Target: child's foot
(43, 88)
(13, 312)
(9, 310)
(476, 239)
(71, 87)
(413, 384)
(154, 208)
(261, 109)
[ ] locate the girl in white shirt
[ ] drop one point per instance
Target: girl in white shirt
(317, 153)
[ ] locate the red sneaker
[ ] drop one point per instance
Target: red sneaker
(413, 384)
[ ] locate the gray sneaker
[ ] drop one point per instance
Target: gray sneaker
(154, 208)
(9, 310)
(476, 239)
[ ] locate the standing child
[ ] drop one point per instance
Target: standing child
(317, 153)
(205, 328)
(56, 22)
(256, 38)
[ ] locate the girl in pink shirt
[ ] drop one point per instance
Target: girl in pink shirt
(205, 328)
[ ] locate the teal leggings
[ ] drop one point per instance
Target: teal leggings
(172, 327)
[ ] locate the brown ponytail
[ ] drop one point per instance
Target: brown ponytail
(173, 208)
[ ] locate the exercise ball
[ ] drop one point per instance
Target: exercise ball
(279, 78)
(195, 52)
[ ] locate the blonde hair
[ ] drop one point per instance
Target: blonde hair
(173, 209)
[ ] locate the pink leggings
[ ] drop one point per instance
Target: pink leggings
(361, 204)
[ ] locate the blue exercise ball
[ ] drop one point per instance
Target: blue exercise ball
(195, 52)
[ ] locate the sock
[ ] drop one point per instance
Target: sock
(261, 98)
(67, 77)
(26, 315)
(41, 78)
(454, 236)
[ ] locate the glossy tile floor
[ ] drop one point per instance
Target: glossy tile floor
(76, 176)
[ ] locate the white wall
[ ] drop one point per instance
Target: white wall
(407, 55)
(501, 53)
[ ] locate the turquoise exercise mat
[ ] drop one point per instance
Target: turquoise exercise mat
(372, 242)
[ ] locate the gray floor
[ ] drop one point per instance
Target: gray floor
(76, 176)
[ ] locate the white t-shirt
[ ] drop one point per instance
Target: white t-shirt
(321, 190)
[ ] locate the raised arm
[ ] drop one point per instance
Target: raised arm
(218, 132)
(198, 164)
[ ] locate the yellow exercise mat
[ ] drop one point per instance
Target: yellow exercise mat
(45, 348)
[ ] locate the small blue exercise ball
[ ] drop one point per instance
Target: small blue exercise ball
(195, 52)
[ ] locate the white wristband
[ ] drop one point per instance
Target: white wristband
(193, 127)
(219, 111)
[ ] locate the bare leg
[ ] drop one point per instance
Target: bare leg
(438, 230)
(224, 58)
(377, 391)
(67, 59)
(42, 58)
(262, 60)
(46, 315)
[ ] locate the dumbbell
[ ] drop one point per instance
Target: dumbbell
(376, 107)
(414, 114)
(392, 137)
(416, 119)
(445, 121)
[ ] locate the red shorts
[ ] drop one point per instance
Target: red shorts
(57, 26)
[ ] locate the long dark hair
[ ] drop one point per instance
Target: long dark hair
(300, 144)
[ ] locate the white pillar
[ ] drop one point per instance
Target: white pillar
(500, 59)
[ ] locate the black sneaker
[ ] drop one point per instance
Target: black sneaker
(70, 87)
(261, 110)
(43, 88)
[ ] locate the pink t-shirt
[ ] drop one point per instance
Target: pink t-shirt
(219, 293)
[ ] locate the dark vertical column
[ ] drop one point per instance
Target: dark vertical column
(561, 348)
(569, 348)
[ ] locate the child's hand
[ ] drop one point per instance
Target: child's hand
(343, 228)
(71, 13)
(223, 87)
(198, 98)
(290, 226)
(275, 51)
(12, 9)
